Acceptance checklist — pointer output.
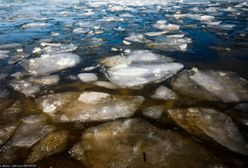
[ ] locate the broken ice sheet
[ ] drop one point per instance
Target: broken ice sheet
(151, 34)
(36, 25)
(31, 130)
(206, 122)
(88, 106)
(162, 25)
(137, 143)
(164, 93)
(176, 42)
(56, 48)
(6, 132)
(53, 143)
(211, 85)
(139, 38)
(31, 86)
(47, 64)
(8, 154)
(10, 114)
(87, 77)
(3, 54)
(105, 84)
(139, 68)
(3, 91)
(154, 112)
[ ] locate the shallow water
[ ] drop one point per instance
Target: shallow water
(45, 44)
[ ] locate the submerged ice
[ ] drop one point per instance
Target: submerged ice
(88, 106)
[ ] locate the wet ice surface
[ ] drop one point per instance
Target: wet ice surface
(120, 83)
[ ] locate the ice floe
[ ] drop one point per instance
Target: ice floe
(205, 122)
(154, 112)
(164, 93)
(87, 77)
(88, 106)
(31, 130)
(36, 25)
(53, 143)
(47, 64)
(136, 142)
(139, 68)
(211, 85)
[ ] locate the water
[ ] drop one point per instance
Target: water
(197, 51)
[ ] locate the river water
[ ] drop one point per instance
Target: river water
(124, 84)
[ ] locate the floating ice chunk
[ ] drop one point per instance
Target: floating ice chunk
(164, 93)
(55, 48)
(226, 26)
(161, 24)
(10, 114)
(179, 16)
(136, 142)
(212, 123)
(119, 28)
(36, 25)
(31, 86)
(139, 68)
(25, 86)
(206, 18)
(131, 76)
(93, 97)
(225, 86)
(175, 42)
(51, 63)
(114, 49)
(105, 84)
(55, 34)
(91, 68)
(10, 46)
(211, 85)
(8, 154)
(126, 42)
(154, 112)
(3, 92)
(80, 31)
(175, 36)
(87, 77)
(127, 51)
(44, 44)
(37, 50)
(111, 19)
(53, 103)
(46, 80)
(137, 38)
(137, 56)
(117, 8)
(32, 129)
(126, 15)
(151, 34)
(216, 23)
(89, 13)
(172, 27)
(6, 132)
(3, 54)
(53, 143)
(89, 106)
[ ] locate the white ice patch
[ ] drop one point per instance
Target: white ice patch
(51, 63)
